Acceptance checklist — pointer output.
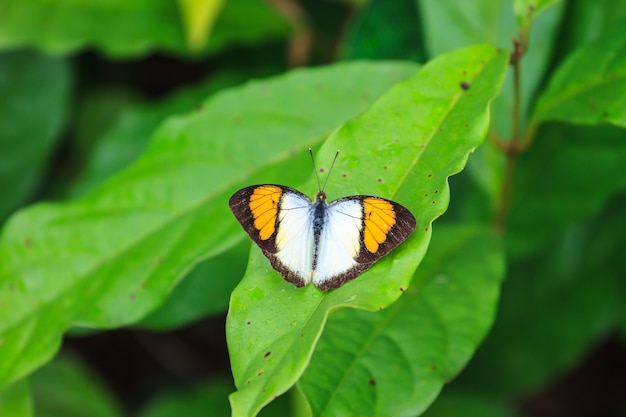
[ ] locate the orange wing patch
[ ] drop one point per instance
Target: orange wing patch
(379, 219)
(264, 207)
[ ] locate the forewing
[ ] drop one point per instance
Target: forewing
(277, 219)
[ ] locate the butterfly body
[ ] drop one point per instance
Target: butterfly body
(313, 241)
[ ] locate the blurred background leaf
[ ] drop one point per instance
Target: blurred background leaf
(35, 92)
(15, 400)
(66, 388)
(141, 26)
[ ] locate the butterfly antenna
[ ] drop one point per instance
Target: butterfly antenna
(319, 186)
(330, 170)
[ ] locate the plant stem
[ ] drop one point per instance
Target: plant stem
(514, 146)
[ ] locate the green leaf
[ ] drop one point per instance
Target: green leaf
(34, 91)
(555, 307)
(589, 21)
(209, 398)
(203, 291)
(112, 257)
(527, 10)
(452, 24)
(15, 401)
(550, 193)
(129, 134)
(65, 26)
(589, 86)
(468, 403)
(409, 142)
(369, 35)
(466, 23)
(402, 356)
(64, 388)
(198, 18)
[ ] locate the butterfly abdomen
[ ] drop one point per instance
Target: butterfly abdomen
(319, 211)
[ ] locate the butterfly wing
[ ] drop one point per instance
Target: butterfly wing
(278, 219)
(359, 230)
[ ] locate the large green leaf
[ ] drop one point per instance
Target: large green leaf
(568, 175)
(555, 307)
(527, 10)
(204, 290)
(403, 355)
(34, 91)
(206, 399)
(15, 401)
(209, 398)
(110, 258)
(589, 21)
(129, 134)
(201, 292)
(468, 404)
(452, 24)
(64, 26)
(65, 388)
(590, 86)
(404, 147)
(369, 35)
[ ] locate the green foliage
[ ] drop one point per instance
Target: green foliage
(112, 257)
(362, 351)
(276, 347)
(141, 235)
(16, 401)
(34, 91)
(65, 388)
(140, 26)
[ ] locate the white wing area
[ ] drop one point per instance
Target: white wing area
(294, 239)
(340, 241)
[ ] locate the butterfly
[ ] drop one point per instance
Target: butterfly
(328, 244)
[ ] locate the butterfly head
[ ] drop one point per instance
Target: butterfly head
(320, 197)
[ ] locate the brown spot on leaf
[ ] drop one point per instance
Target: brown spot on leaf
(267, 354)
(465, 86)
(260, 373)
(248, 323)
(28, 243)
(372, 382)
(402, 289)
